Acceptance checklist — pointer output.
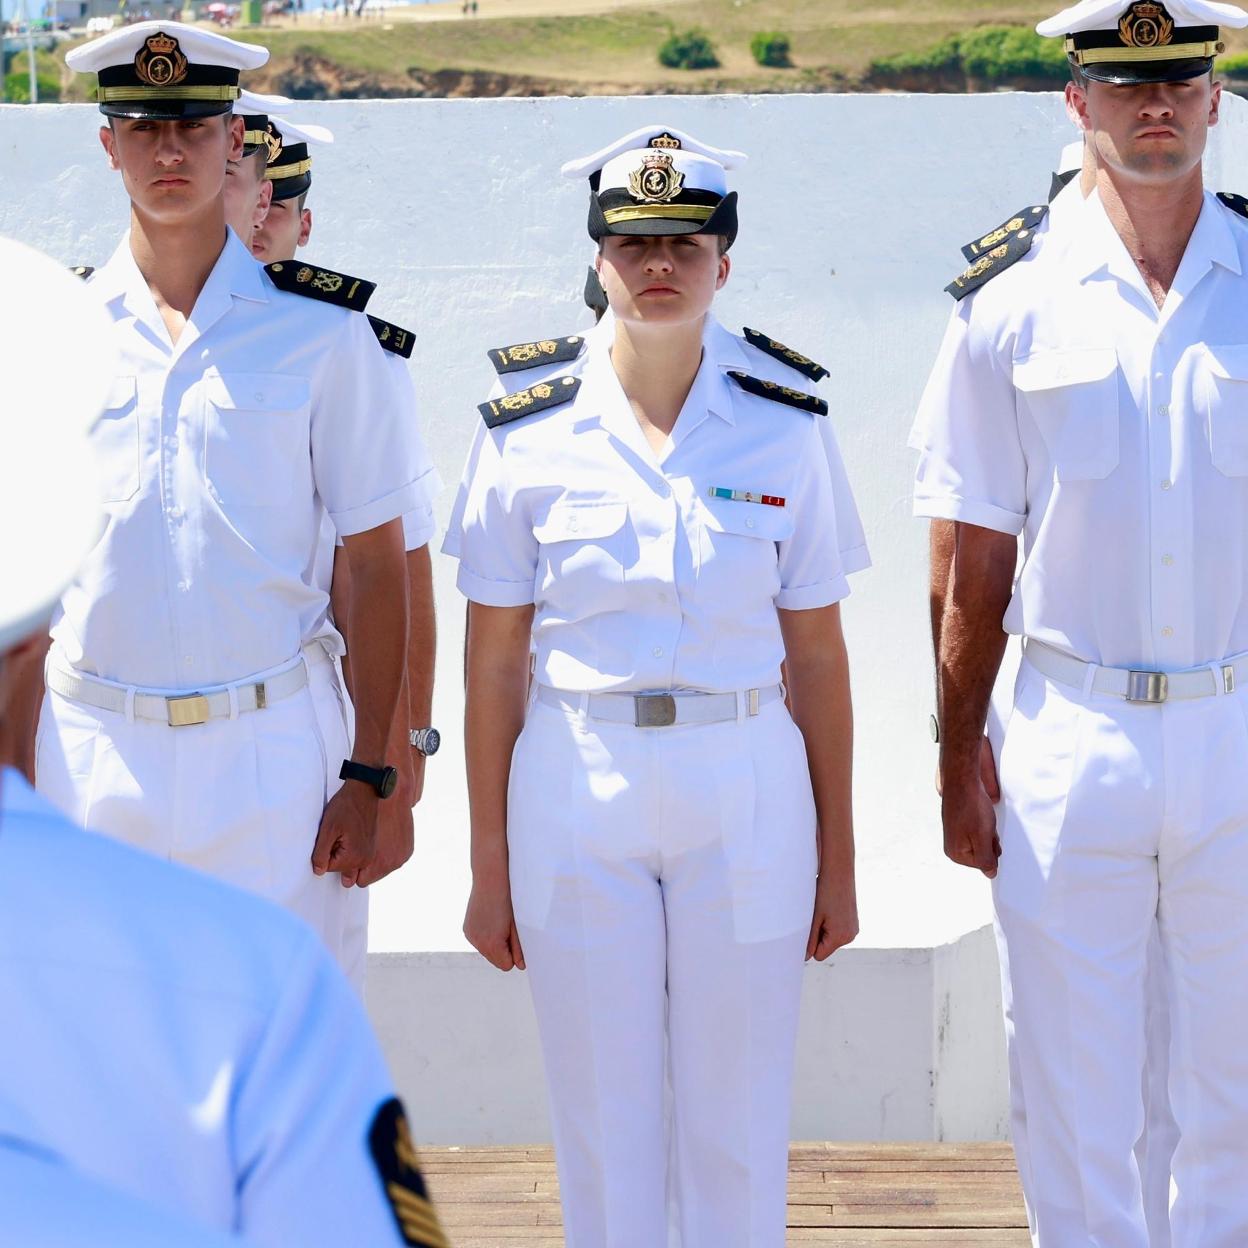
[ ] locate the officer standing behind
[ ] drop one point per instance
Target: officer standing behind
(193, 708)
(646, 840)
(163, 1035)
(1088, 400)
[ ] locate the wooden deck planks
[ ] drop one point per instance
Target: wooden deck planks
(840, 1196)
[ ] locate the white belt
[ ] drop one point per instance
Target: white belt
(662, 710)
(1135, 686)
(178, 710)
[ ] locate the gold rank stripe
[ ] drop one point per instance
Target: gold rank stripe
(671, 212)
(275, 173)
(119, 95)
(1165, 52)
(417, 1215)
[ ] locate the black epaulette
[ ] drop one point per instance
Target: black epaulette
(398, 1168)
(530, 354)
(780, 394)
(393, 337)
(786, 355)
(1026, 220)
(990, 264)
(524, 402)
(1236, 203)
(324, 284)
(83, 271)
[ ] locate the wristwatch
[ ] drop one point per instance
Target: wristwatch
(425, 740)
(382, 779)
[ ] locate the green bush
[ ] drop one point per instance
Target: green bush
(770, 47)
(1235, 66)
(990, 53)
(691, 49)
(17, 88)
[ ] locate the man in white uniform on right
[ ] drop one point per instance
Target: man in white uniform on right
(1083, 400)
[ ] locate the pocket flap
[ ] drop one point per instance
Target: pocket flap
(773, 524)
(122, 392)
(257, 391)
(1064, 368)
(1229, 361)
(581, 521)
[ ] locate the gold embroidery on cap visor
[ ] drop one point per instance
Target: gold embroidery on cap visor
(123, 95)
(160, 62)
(276, 173)
(1123, 56)
(668, 212)
(656, 181)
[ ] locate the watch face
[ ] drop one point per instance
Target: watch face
(389, 781)
(433, 739)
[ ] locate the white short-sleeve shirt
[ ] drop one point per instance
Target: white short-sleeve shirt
(1113, 435)
(183, 1041)
(640, 577)
(220, 456)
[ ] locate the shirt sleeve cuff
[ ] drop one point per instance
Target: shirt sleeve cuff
(381, 511)
(418, 527)
(985, 515)
(809, 597)
(493, 593)
(856, 560)
(450, 543)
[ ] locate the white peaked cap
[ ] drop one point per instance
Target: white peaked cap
(57, 361)
(1104, 15)
(252, 103)
(639, 140)
(202, 47)
(301, 131)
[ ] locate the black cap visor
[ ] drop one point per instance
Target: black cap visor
(1137, 72)
(722, 220)
(166, 110)
(291, 188)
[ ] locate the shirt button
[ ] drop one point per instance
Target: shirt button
(749, 524)
(1167, 559)
(182, 588)
(657, 652)
(175, 513)
(1164, 410)
(171, 443)
(1165, 485)
(1167, 631)
(188, 660)
(573, 524)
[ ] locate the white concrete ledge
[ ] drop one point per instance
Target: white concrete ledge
(896, 1044)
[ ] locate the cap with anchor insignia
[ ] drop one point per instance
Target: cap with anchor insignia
(1144, 41)
(659, 180)
(526, 355)
(254, 110)
(290, 164)
(165, 70)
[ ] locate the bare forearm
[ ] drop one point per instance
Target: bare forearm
(21, 714)
(378, 612)
(941, 540)
(498, 674)
(972, 643)
(421, 653)
(817, 667)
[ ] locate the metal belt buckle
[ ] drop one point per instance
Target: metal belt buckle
(654, 710)
(191, 709)
(1147, 686)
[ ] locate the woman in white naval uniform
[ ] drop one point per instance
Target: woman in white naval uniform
(657, 841)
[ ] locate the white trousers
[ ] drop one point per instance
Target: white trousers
(1116, 817)
(239, 798)
(663, 885)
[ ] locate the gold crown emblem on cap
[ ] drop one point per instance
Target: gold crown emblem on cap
(656, 181)
(1146, 25)
(160, 62)
(665, 140)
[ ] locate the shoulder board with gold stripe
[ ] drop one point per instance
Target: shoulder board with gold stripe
(524, 355)
(398, 1167)
(83, 271)
(780, 394)
(786, 355)
(1236, 203)
(324, 284)
(990, 264)
(1025, 220)
(393, 337)
(524, 402)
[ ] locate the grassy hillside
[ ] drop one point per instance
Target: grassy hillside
(614, 51)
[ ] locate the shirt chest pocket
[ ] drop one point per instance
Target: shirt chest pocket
(738, 553)
(257, 437)
(115, 440)
(584, 545)
(1072, 396)
(1225, 399)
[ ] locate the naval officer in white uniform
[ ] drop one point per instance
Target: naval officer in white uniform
(1087, 400)
(657, 841)
(176, 1040)
(193, 707)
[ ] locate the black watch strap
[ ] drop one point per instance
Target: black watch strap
(382, 780)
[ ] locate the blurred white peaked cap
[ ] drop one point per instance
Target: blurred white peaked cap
(252, 103)
(301, 131)
(640, 139)
(57, 363)
(1106, 14)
